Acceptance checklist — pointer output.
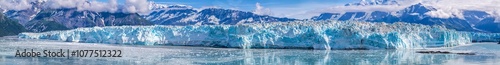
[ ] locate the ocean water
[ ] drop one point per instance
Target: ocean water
(486, 54)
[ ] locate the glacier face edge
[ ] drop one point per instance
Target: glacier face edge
(305, 34)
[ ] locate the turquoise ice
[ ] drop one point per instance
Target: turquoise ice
(300, 34)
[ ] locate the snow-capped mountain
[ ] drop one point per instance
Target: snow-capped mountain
(154, 6)
(24, 16)
(472, 20)
(185, 15)
(70, 18)
(374, 2)
(40, 18)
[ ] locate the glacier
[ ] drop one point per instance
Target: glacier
(283, 35)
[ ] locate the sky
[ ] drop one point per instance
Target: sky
(278, 8)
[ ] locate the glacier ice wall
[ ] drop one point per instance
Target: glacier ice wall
(307, 34)
(485, 37)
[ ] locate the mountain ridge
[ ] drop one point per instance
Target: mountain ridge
(10, 26)
(185, 15)
(162, 14)
(476, 21)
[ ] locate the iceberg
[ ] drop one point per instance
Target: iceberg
(283, 35)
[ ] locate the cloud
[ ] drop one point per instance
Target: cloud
(85, 5)
(137, 6)
(15, 4)
(456, 7)
(440, 14)
(401, 4)
(131, 6)
(261, 10)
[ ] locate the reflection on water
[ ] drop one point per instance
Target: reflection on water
(309, 57)
(174, 55)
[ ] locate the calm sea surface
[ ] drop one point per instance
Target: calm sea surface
(485, 54)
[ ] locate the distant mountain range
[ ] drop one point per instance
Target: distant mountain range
(478, 21)
(62, 19)
(185, 15)
(373, 2)
(41, 19)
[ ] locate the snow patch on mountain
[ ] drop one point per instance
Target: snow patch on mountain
(159, 6)
(212, 19)
(445, 13)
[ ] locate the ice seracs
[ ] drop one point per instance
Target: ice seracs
(305, 34)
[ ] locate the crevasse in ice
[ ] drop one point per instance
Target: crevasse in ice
(306, 34)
